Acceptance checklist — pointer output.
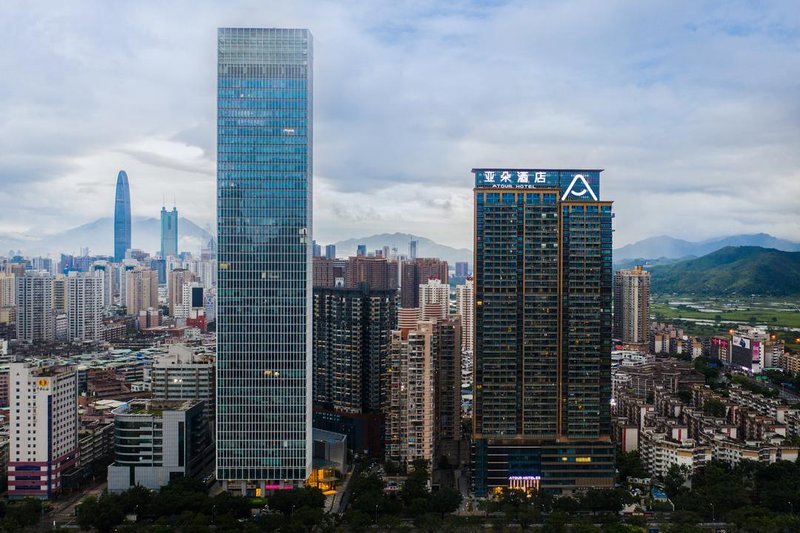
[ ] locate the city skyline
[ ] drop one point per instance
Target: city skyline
(684, 100)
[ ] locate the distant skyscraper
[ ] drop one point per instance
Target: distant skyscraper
(542, 351)
(330, 251)
(361, 250)
(462, 269)
(412, 249)
(169, 232)
(264, 170)
(122, 217)
(316, 249)
(632, 308)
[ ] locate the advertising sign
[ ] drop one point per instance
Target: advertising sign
(581, 185)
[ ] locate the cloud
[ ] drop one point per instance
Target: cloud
(691, 108)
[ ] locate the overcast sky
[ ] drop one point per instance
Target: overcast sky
(692, 108)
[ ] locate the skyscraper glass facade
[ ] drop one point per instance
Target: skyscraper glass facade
(169, 232)
(542, 281)
(264, 169)
(122, 217)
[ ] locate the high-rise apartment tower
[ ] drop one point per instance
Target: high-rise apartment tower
(542, 331)
(632, 308)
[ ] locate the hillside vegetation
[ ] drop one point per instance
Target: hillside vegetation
(740, 270)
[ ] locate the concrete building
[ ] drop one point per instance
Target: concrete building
(35, 315)
(43, 429)
(156, 441)
(465, 308)
(141, 291)
(434, 299)
(108, 272)
(409, 407)
(175, 289)
(85, 306)
(183, 375)
(8, 290)
(417, 271)
(632, 308)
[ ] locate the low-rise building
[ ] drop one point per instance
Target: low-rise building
(156, 441)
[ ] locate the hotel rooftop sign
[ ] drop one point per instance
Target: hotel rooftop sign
(574, 184)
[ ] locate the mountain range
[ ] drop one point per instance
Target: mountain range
(425, 247)
(740, 270)
(665, 247)
(98, 236)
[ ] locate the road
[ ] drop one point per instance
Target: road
(63, 511)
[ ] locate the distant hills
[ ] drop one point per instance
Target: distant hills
(99, 237)
(425, 247)
(741, 270)
(665, 247)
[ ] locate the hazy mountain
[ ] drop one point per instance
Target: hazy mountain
(98, 236)
(742, 270)
(672, 248)
(425, 247)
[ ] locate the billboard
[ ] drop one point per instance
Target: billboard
(741, 352)
(577, 185)
(197, 297)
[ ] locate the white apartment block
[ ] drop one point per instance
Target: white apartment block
(43, 428)
(85, 306)
(465, 308)
(434, 299)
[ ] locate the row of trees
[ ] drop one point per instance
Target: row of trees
(413, 502)
(184, 503)
(754, 496)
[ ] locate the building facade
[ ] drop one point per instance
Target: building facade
(264, 226)
(85, 306)
(122, 217)
(434, 299)
(416, 272)
(465, 308)
(35, 314)
(542, 354)
(352, 338)
(632, 308)
(141, 290)
(43, 429)
(156, 441)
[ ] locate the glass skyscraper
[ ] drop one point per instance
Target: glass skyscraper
(264, 169)
(169, 232)
(122, 217)
(542, 281)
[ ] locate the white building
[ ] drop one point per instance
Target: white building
(108, 272)
(434, 299)
(183, 375)
(410, 411)
(35, 316)
(43, 428)
(465, 307)
(156, 441)
(85, 306)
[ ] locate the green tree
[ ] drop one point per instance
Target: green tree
(675, 477)
(444, 501)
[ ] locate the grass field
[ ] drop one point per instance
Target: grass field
(778, 316)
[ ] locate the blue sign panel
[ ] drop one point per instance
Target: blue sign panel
(581, 185)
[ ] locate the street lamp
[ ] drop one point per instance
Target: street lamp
(376, 513)
(713, 513)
